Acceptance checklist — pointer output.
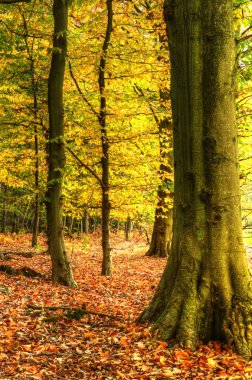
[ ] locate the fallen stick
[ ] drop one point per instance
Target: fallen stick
(75, 311)
(24, 254)
(24, 271)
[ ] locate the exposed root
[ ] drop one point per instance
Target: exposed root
(237, 326)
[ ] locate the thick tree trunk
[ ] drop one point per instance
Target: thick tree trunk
(205, 291)
(106, 206)
(61, 270)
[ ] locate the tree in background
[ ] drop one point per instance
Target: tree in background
(162, 229)
(61, 270)
(205, 291)
(106, 204)
(23, 98)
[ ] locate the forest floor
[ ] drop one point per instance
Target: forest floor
(47, 344)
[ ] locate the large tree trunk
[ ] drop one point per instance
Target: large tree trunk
(205, 291)
(61, 271)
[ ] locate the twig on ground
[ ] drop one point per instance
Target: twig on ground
(74, 313)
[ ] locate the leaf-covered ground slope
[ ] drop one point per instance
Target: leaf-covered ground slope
(46, 344)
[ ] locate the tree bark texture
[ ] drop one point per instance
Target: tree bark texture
(61, 270)
(106, 206)
(205, 291)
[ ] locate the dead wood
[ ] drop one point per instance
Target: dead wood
(25, 271)
(73, 313)
(24, 254)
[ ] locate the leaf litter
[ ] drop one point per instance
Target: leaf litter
(45, 344)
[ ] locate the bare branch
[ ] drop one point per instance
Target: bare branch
(85, 166)
(79, 90)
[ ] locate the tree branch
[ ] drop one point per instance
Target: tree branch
(85, 166)
(140, 92)
(80, 91)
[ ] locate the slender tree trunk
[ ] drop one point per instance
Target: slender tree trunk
(4, 218)
(162, 229)
(34, 87)
(35, 227)
(128, 228)
(106, 206)
(14, 223)
(4, 212)
(61, 270)
(70, 229)
(86, 222)
(205, 291)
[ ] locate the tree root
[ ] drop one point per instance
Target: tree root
(189, 322)
(237, 326)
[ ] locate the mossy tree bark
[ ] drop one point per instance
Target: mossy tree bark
(205, 291)
(61, 270)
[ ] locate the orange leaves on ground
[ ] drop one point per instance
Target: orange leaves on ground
(95, 347)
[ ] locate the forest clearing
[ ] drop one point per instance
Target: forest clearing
(46, 344)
